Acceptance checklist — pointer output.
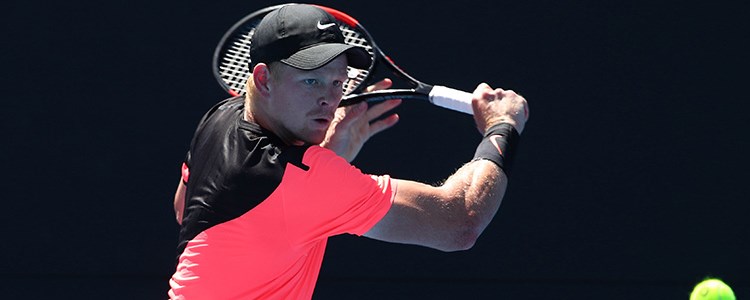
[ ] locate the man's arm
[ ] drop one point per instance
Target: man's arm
(451, 217)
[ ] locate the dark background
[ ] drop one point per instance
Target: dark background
(630, 182)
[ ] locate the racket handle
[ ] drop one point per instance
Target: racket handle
(451, 99)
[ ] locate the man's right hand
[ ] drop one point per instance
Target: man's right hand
(495, 106)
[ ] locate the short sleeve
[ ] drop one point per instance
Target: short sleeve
(185, 170)
(333, 197)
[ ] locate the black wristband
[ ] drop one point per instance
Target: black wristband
(497, 145)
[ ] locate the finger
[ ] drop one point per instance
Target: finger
(353, 112)
(383, 124)
(379, 109)
(485, 92)
(380, 85)
(509, 94)
(480, 99)
(499, 94)
(482, 87)
(357, 110)
(476, 95)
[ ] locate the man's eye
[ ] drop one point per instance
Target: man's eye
(311, 81)
(338, 83)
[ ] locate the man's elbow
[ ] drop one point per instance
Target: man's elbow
(463, 238)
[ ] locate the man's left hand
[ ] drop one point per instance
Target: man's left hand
(353, 125)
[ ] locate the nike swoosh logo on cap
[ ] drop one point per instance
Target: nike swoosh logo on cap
(323, 27)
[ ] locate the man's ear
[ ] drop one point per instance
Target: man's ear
(261, 78)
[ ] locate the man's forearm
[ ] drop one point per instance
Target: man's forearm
(480, 186)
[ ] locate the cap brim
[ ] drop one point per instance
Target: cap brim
(319, 55)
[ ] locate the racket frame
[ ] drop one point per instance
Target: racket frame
(239, 68)
(419, 90)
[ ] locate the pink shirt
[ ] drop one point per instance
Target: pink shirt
(275, 250)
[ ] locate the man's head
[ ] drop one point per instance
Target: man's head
(299, 62)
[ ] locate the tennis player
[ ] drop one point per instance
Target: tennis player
(261, 196)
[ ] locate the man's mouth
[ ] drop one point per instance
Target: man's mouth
(322, 121)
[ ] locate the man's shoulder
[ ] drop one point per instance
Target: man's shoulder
(224, 106)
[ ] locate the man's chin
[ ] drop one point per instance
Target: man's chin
(317, 139)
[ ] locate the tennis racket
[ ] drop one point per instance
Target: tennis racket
(232, 58)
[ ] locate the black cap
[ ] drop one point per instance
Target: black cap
(302, 36)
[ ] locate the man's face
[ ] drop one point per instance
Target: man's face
(303, 103)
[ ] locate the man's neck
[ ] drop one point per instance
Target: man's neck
(250, 116)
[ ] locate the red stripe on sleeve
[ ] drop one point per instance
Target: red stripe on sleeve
(185, 173)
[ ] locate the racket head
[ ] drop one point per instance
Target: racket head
(231, 58)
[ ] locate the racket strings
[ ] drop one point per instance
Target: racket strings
(234, 69)
(356, 76)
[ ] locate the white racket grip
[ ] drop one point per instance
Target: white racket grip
(451, 99)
